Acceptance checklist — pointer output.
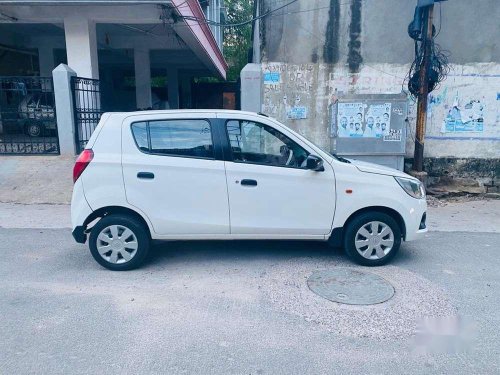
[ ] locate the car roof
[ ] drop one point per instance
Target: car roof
(188, 111)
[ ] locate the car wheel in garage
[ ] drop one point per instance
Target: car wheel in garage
(34, 129)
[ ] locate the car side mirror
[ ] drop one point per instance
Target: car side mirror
(314, 163)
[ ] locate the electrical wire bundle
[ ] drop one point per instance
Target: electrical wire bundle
(438, 66)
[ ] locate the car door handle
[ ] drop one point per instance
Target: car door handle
(146, 175)
(247, 182)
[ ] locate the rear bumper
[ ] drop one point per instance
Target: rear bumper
(80, 211)
(79, 234)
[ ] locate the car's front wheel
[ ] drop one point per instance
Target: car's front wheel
(119, 242)
(372, 239)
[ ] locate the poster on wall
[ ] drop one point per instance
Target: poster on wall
(297, 113)
(271, 78)
(395, 135)
(350, 119)
(378, 121)
(469, 118)
(375, 122)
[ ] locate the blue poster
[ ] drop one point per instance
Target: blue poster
(468, 118)
(297, 113)
(271, 78)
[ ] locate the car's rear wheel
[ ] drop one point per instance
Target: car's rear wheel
(119, 242)
(372, 238)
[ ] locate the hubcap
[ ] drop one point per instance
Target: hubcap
(374, 240)
(117, 244)
(34, 130)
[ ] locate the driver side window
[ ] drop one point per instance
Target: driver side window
(257, 143)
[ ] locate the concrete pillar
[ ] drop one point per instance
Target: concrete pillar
(185, 83)
(46, 60)
(251, 88)
(173, 87)
(142, 78)
(64, 109)
(81, 46)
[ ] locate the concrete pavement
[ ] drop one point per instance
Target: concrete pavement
(36, 179)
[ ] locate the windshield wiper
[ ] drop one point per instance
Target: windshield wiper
(340, 158)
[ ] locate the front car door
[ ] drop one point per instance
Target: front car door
(171, 173)
(271, 193)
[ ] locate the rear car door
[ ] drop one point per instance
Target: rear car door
(271, 193)
(171, 173)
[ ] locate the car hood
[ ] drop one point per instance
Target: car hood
(364, 166)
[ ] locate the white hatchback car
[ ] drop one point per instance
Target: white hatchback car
(216, 174)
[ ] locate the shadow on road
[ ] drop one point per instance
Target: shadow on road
(206, 251)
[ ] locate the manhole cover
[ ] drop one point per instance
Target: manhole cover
(350, 286)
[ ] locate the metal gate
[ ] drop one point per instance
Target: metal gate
(87, 108)
(28, 116)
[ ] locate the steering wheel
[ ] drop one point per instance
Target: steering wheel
(286, 156)
(290, 159)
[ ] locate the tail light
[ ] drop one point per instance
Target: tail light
(81, 163)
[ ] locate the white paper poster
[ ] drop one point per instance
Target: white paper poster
(350, 119)
(378, 120)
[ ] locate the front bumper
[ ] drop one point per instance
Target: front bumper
(416, 223)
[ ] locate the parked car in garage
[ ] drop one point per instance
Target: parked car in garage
(37, 114)
(33, 115)
(216, 174)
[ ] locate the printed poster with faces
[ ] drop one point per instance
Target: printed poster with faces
(350, 120)
(378, 121)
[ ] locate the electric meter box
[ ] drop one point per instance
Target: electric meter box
(371, 128)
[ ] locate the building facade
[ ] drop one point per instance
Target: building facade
(127, 55)
(311, 53)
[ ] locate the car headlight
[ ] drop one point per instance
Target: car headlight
(412, 187)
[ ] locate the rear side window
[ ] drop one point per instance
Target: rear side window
(140, 132)
(189, 138)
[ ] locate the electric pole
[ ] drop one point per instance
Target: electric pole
(418, 158)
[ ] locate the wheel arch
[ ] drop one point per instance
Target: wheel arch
(110, 210)
(337, 235)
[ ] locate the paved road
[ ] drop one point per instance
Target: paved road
(243, 308)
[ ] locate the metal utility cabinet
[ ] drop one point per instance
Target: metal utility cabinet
(371, 128)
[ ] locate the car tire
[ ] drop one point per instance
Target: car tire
(126, 240)
(34, 129)
(372, 239)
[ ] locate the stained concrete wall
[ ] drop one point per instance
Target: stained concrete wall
(313, 51)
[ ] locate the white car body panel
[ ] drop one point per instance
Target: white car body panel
(285, 201)
(80, 209)
(375, 190)
(103, 180)
(364, 166)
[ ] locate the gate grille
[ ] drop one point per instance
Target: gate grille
(28, 116)
(87, 108)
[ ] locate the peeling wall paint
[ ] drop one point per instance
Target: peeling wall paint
(314, 87)
(331, 46)
(354, 58)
